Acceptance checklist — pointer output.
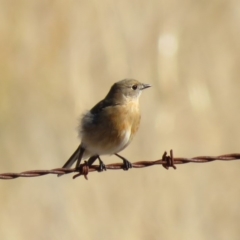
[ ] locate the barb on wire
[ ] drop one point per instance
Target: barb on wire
(166, 161)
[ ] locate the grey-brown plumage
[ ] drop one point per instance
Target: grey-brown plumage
(111, 124)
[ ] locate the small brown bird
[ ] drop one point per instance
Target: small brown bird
(110, 125)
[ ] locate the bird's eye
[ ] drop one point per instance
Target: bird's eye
(134, 87)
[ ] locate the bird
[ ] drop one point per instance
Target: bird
(110, 125)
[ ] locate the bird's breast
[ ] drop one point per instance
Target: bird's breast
(110, 130)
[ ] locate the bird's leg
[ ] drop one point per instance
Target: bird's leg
(80, 157)
(126, 163)
(92, 159)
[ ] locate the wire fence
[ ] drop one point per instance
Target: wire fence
(166, 161)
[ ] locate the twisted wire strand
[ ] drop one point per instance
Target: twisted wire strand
(166, 161)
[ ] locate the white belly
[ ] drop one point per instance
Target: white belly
(99, 149)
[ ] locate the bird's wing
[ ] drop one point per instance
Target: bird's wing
(103, 104)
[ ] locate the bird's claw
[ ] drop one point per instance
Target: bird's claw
(126, 165)
(102, 167)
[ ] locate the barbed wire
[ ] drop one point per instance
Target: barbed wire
(166, 161)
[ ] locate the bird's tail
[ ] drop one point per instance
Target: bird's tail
(72, 159)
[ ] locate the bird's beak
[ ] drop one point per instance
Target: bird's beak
(144, 86)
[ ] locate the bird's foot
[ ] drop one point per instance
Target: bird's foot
(102, 166)
(126, 164)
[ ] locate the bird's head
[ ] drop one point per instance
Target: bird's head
(127, 89)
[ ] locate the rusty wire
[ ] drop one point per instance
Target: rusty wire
(166, 161)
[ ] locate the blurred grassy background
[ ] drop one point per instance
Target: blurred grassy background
(58, 58)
